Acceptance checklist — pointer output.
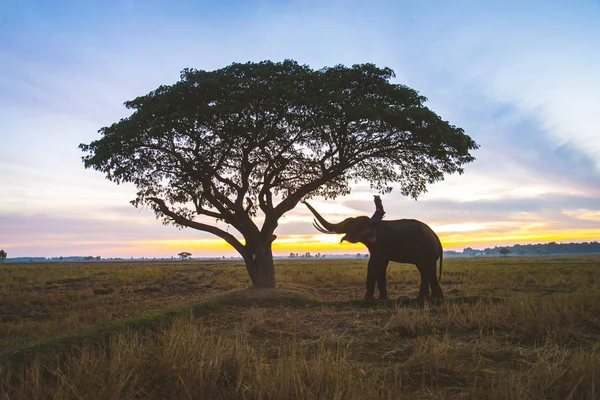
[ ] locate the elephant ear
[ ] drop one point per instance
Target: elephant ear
(368, 235)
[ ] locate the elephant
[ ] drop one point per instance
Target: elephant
(403, 240)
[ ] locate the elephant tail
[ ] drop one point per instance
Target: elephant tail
(441, 258)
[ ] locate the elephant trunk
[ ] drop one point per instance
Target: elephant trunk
(325, 226)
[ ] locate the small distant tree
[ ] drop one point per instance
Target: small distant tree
(253, 138)
(184, 255)
(504, 251)
(3, 255)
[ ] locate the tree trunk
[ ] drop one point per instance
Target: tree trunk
(260, 266)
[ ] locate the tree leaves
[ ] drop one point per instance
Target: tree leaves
(222, 143)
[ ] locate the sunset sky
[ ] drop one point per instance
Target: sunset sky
(521, 77)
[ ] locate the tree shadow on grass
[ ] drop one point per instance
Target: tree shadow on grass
(408, 302)
(302, 298)
(264, 298)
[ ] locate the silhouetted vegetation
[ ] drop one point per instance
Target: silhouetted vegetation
(551, 248)
(260, 137)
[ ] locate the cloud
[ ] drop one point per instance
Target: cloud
(543, 66)
(583, 214)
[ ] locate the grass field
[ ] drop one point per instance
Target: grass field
(509, 328)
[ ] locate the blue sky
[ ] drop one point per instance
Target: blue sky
(520, 77)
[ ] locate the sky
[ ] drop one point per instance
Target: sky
(520, 77)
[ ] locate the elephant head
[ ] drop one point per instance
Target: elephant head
(358, 229)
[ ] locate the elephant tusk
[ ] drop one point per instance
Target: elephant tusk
(320, 228)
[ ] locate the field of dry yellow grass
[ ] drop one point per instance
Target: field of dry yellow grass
(509, 328)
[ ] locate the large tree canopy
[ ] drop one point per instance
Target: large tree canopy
(226, 143)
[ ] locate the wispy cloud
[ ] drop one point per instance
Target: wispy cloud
(584, 214)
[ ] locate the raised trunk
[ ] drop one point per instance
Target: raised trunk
(260, 266)
(329, 227)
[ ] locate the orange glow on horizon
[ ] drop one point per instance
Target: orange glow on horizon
(331, 243)
(288, 244)
(453, 237)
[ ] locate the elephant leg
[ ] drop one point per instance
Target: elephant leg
(424, 288)
(372, 272)
(436, 290)
(382, 281)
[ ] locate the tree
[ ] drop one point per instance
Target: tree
(3, 255)
(258, 138)
(503, 251)
(184, 255)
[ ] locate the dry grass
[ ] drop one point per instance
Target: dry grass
(568, 319)
(526, 328)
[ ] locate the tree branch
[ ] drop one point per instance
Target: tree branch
(203, 211)
(229, 238)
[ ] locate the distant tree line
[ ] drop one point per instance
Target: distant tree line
(531, 249)
(305, 255)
